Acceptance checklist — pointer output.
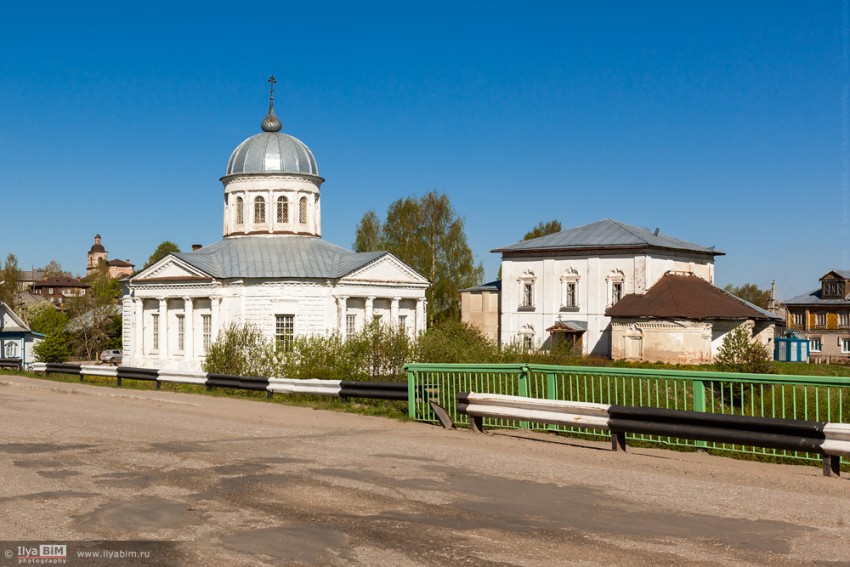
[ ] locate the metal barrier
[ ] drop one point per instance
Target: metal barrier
(336, 388)
(811, 398)
(830, 440)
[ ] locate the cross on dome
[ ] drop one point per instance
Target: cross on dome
(270, 122)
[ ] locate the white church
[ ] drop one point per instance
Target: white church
(272, 268)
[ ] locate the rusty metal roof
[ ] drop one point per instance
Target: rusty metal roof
(677, 296)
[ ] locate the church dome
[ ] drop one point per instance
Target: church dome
(272, 152)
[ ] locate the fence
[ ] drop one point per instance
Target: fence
(811, 398)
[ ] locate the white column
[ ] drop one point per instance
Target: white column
(394, 311)
(369, 313)
(188, 329)
(139, 340)
(341, 304)
(271, 211)
(163, 328)
(214, 318)
(420, 315)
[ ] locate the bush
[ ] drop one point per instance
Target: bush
(740, 353)
(456, 341)
(242, 351)
(54, 348)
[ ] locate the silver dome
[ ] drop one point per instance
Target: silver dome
(272, 152)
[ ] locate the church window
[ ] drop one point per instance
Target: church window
(616, 292)
(155, 330)
(526, 291)
(350, 325)
(259, 210)
(282, 209)
(206, 322)
(240, 214)
(302, 210)
(570, 298)
(284, 331)
(181, 327)
(402, 323)
(616, 281)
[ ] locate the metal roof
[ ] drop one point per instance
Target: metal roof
(279, 256)
(606, 233)
(272, 152)
(814, 298)
(687, 297)
(490, 286)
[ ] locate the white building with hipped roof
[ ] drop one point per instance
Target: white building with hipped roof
(561, 284)
(272, 268)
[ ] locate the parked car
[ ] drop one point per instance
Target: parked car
(112, 356)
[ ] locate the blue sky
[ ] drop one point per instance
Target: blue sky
(720, 123)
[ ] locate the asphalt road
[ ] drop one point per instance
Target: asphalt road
(237, 482)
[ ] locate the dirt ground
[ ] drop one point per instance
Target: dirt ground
(221, 481)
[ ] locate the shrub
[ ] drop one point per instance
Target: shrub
(241, 350)
(54, 348)
(455, 341)
(740, 353)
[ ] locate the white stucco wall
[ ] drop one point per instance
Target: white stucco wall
(594, 275)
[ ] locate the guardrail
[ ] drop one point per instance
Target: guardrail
(811, 398)
(335, 388)
(11, 363)
(830, 440)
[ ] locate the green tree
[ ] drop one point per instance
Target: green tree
(9, 291)
(740, 353)
(44, 318)
(543, 229)
(93, 326)
(53, 268)
(165, 248)
(370, 234)
(750, 292)
(427, 234)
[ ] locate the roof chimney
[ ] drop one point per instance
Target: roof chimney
(657, 230)
(196, 247)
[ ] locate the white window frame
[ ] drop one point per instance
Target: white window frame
(154, 332)
(820, 319)
(845, 345)
(844, 319)
(206, 331)
(815, 344)
(302, 210)
(527, 291)
(798, 320)
(570, 281)
(181, 332)
(615, 280)
(350, 324)
(240, 212)
(284, 331)
(259, 210)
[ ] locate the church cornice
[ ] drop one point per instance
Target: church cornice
(303, 177)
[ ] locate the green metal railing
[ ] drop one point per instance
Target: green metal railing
(813, 398)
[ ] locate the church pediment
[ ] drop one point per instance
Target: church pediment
(386, 269)
(171, 268)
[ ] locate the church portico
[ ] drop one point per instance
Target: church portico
(271, 270)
